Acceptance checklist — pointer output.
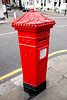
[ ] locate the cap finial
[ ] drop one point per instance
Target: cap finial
(32, 10)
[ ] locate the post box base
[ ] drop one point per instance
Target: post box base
(34, 90)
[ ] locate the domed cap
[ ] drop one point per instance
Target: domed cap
(32, 20)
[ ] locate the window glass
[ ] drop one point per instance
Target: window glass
(49, 1)
(64, 1)
(37, 1)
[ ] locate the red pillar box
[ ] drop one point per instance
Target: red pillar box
(33, 34)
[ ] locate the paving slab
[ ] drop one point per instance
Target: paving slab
(48, 94)
(54, 61)
(64, 57)
(65, 75)
(15, 94)
(53, 77)
(61, 88)
(61, 67)
(6, 87)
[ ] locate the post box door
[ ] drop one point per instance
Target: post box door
(28, 59)
(24, 61)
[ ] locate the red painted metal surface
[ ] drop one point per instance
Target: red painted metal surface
(33, 34)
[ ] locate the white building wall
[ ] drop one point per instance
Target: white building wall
(51, 5)
(1, 10)
(37, 5)
(26, 4)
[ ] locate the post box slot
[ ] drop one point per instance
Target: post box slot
(42, 39)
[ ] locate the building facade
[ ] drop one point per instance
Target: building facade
(51, 4)
(58, 4)
(44, 5)
(41, 4)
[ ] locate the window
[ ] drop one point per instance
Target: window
(55, 3)
(37, 1)
(27, 3)
(14, 1)
(64, 1)
(49, 1)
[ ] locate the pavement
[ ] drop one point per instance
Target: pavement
(53, 13)
(6, 20)
(56, 83)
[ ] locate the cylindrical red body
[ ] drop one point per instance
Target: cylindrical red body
(33, 34)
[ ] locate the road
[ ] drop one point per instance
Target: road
(9, 48)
